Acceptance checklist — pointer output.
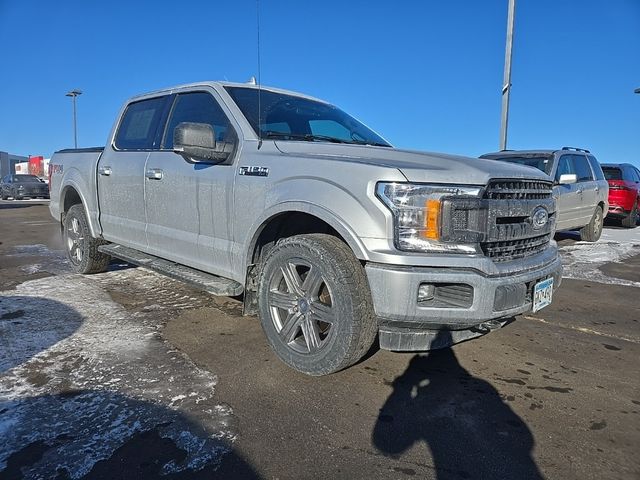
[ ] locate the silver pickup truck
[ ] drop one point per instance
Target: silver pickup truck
(332, 236)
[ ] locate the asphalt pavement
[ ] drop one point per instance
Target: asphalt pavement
(128, 374)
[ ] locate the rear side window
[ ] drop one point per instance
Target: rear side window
(612, 173)
(595, 166)
(630, 174)
(137, 130)
(199, 107)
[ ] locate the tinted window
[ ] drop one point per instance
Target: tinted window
(595, 166)
(199, 107)
(583, 170)
(636, 174)
(303, 118)
(542, 163)
(612, 173)
(137, 130)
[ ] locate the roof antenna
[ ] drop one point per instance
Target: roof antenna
(259, 79)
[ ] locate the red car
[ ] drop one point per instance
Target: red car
(624, 192)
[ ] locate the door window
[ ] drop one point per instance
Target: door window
(583, 170)
(137, 130)
(199, 107)
(595, 166)
(565, 166)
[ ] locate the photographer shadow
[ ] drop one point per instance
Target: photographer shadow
(470, 431)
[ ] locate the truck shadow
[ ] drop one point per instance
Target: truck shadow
(105, 435)
(30, 325)
(470, 431)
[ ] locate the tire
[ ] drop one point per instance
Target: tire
(315, 305)
(630, 220)
(592, 231)
(81, 247)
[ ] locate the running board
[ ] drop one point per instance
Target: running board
(196, 278)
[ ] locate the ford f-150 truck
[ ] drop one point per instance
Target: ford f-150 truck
(332, 236)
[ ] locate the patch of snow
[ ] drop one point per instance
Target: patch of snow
(82, 374)
(583, 260)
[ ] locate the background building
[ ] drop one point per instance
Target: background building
(8, 161)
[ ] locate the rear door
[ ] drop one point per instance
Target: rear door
(188, 204)
(121, 173)
(588, 188)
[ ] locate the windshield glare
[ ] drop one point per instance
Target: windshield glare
(290, 117)
(541, 163)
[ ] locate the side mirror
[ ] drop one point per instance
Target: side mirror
(568, 178)
(197, 141)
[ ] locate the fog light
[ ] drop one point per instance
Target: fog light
(426, 292)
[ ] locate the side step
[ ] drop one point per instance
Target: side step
(196, 278)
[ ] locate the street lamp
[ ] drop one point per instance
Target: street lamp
(506, 83)
(637, 90)
(73, 94)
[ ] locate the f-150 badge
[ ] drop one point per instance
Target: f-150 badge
(254, 171)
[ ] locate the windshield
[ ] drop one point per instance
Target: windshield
(541, 163)
(27, 179)
(612, 173)
(289, 117)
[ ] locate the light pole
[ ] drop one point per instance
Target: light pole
(73, 94)
(637, 90)
(506, 83)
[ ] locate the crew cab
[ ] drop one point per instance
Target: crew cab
(331, 235)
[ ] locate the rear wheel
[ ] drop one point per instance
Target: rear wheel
(592, 231)
(315, 305)
(631, 220)
(82, 248)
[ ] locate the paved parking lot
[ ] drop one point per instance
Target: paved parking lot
(128, 374)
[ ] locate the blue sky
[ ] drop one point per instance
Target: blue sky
(425, 74)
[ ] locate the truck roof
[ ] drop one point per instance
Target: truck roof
(217, 83)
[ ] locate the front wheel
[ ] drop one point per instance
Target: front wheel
(592, 231)
(81, 247)
(315, 305)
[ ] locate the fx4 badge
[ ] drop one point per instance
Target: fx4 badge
(254, 171)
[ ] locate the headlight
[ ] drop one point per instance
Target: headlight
(417, 215)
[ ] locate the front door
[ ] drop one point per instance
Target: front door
(188, 205)
(568, 196)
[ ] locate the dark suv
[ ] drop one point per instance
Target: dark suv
(580, 188)
(624, 192)
(21, 186)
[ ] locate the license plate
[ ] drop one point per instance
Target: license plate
(542, 293)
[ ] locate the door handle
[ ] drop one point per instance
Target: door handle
(106, 171)
(154, 174)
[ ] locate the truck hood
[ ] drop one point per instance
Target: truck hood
(423, 167)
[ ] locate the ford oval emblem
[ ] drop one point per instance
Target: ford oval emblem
(539, 218)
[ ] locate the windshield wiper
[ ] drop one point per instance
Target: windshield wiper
(303, 136)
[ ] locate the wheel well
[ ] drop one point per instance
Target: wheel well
(286, 225)
(283, 225)
(70, 198)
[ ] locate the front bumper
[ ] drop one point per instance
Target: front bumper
(480, 303)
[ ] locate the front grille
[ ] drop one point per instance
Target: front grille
(518, 190)
(511, 204)
(512, 249)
